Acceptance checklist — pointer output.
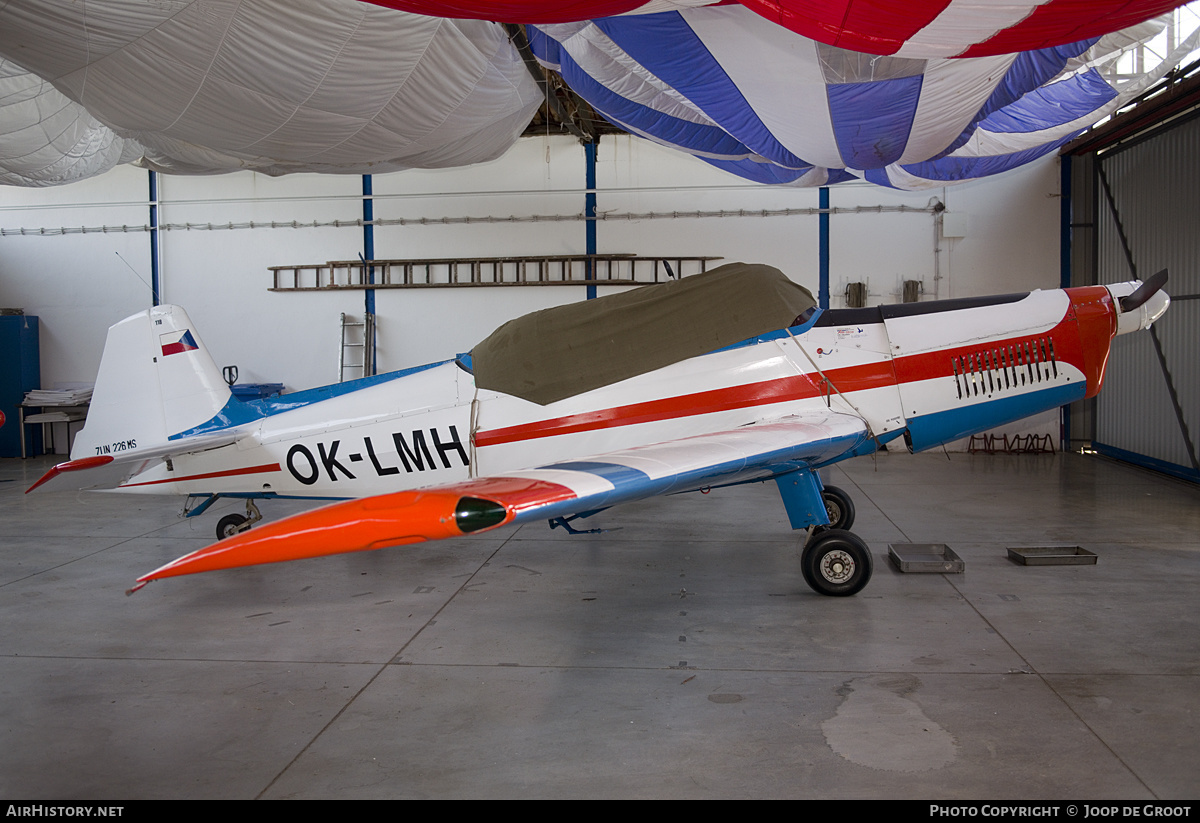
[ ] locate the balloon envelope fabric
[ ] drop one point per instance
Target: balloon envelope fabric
(906, 28)
(755, 99)
(274, 86)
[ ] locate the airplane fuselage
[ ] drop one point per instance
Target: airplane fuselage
(930, 372)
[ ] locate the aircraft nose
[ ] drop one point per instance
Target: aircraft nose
(1156, 305)
(1144, 315)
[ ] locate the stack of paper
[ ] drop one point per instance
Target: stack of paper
(58, 397)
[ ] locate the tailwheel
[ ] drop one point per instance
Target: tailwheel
(232, 524)
(229, 525)
(839, 507)
(836, 563)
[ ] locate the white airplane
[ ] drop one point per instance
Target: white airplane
(728, 377)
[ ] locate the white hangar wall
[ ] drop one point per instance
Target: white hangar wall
(76, 283)
(79, 284)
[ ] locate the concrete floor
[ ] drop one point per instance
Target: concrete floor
(680, 655)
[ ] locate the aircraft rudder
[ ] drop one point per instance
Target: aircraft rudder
(193, 390)
(156, 378)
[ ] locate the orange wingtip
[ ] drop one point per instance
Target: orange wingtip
(71, 466)
(361, 525)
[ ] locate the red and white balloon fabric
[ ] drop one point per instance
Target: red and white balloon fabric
(905, 28)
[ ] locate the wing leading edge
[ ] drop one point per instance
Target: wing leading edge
(755, 452)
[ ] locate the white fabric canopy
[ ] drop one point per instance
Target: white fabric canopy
(273, 86)
(46, 139)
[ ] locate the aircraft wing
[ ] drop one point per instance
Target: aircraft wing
(111, 470)
(754, 452)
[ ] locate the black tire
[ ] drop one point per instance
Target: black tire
(227, 526)
(836, 563)
(839, 507)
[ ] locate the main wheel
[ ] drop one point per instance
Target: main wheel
(839, 507)
(229, 525)
(836, 563)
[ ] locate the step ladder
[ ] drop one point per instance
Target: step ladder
(362, 341)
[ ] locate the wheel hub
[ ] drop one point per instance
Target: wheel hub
(837, 566)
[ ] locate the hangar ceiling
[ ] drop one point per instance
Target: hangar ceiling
(768, 91)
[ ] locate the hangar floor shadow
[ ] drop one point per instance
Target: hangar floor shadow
(680, 655)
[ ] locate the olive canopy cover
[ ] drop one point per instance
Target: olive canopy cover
(557, 353)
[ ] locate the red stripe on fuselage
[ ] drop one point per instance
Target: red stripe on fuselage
(687, 405)
(269, 467)
(911, 368)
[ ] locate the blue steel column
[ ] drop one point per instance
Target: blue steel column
(1064, 274)
(153, 239)
(589, 211)
(823, 249)
(1064, 214)
(369, 254)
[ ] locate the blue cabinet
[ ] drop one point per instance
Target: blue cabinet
(20, 371)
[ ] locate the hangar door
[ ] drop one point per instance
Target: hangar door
(1136, 210)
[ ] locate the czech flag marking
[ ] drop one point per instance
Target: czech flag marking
(176, 342)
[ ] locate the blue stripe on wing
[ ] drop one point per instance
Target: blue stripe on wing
(767, 450)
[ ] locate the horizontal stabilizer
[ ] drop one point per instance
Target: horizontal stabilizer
(110, 471)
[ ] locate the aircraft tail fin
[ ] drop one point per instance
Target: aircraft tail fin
(156, 379)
